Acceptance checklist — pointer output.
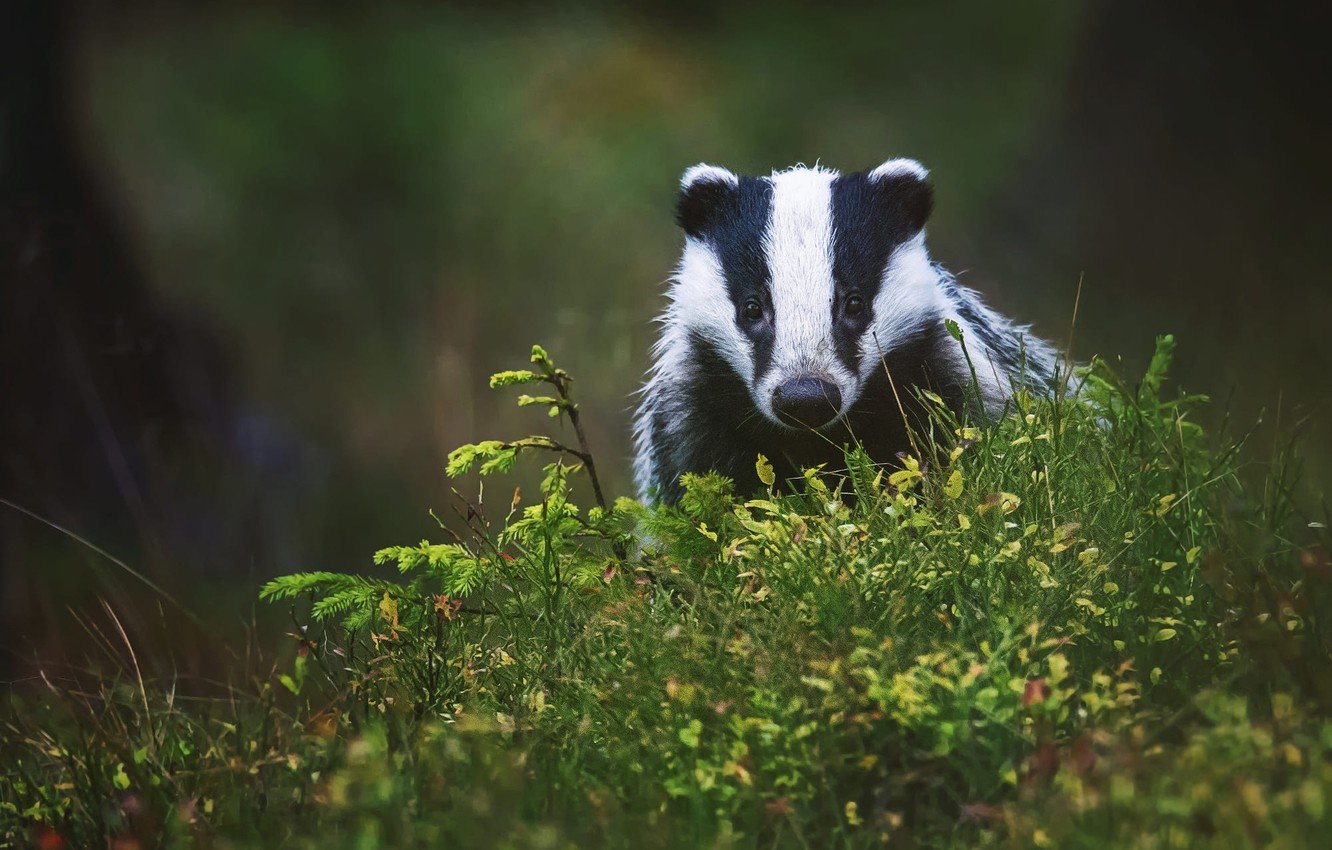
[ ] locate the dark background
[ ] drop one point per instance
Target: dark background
(257, 260)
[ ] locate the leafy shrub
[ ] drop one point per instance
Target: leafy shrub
(1076, 627)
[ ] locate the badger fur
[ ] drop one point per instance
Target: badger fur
(804, 313)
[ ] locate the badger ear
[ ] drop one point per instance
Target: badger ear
(903, 187)
(703, 189)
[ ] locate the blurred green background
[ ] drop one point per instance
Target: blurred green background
(366, 210)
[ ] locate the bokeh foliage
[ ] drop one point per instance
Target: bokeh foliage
(373, 205)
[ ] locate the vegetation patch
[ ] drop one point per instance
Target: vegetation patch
(1084, 626)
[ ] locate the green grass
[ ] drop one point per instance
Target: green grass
(1088, 625)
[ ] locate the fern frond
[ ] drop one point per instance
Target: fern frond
(289, 586)
(344, 601)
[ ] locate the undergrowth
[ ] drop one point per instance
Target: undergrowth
(1081, 626)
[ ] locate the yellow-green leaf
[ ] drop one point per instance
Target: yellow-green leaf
(1058, 668)
(388, 609)
(953, 488)
(1005, 502)
(689, 735)
(765, 471)
(1165, 503)
(903, 478)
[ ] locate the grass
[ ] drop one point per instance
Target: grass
(1082, 626)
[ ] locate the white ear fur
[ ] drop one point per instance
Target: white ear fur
(704, 173)
(898, 168)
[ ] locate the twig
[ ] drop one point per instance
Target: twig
(561, 380)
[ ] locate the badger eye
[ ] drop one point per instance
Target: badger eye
(854, 305)
(753, 311)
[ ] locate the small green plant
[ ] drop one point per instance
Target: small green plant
(1076, 627)
(493, 601)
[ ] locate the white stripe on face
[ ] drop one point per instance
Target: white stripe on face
(907, 296)
(799, 247)
(700, 303)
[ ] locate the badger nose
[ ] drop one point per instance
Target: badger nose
(806, 402)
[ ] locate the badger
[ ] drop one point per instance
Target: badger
(806, 314)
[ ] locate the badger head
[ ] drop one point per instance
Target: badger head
(804, 280)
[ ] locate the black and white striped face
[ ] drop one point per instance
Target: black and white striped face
(803, 280)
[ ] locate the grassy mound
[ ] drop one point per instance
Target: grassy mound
(1077, 627)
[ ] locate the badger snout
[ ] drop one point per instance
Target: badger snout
(806, 402)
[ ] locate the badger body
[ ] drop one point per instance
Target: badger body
(803, 316)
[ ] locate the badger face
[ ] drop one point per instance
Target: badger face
(803, 281)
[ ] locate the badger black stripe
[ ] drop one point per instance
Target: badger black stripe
(737, 240)
(867, 227)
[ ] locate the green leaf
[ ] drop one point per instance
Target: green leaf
(1159, 366)
(512, 377)
(953, 488)
(765, 471)
(296, 680)
(527, 400)
(953, 329)
(463, 458)
(289, 586)
(689, 735)
(904, 478)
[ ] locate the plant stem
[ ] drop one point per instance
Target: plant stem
(586, 456)
(561, 383)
